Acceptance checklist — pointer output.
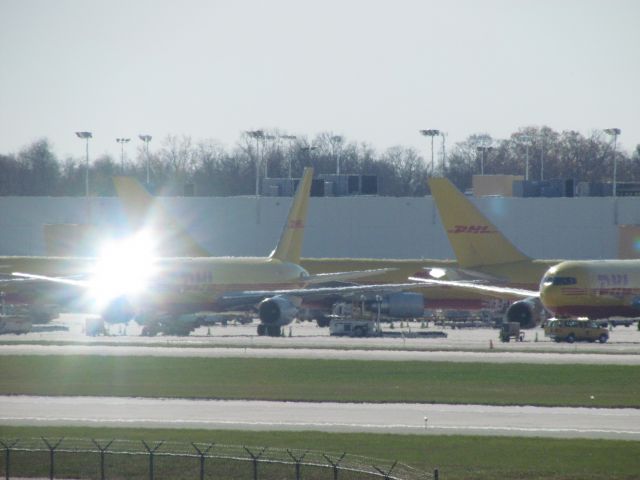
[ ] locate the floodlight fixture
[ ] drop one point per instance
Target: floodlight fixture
(431, 133)
(86, 136)
(483, 149)
(291, 138)
(335, 141)
(122, 141)
(614, 132)
(257, 135)
(146, 139)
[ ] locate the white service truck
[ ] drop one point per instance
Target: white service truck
(352, 327)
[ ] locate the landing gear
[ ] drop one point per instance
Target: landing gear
(274, 331)
(270, 330)
(323, 321)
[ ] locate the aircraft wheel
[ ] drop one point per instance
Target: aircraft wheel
(603, 338)
(261, 329)
(323, 321)
(273, 330)
(571, 338)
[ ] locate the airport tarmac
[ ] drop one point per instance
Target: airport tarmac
(623, 341)
(420, 419)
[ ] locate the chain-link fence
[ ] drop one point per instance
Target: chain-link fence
(117, 459)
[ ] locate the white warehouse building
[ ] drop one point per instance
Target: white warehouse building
(364, 226)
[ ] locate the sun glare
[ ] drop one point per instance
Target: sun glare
(124, 267)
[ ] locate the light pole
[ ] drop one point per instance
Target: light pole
(444, 152)
(614, 132)
(335, 141)
(527, 140)
(86, 136)
(482, 150)
(308, 151)
(122, 141)
(266, 162)
(541, 156)
(146, 139)
(257, 135)
(291, 138)
(430, 133)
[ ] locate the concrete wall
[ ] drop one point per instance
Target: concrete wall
(378, 227)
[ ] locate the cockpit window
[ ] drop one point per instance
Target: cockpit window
(560, 281)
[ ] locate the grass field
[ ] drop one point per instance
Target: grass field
(323, 380)
(456, 457)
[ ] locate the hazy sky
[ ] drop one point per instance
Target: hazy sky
(374, 71)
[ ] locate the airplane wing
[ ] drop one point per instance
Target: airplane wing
(458, 274)
(504, 293)
(21, 276)
(247, 298)
(345, 276)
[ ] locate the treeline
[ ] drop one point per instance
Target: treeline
(211, 170)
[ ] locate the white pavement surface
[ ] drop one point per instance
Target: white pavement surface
(307, 335)
(420, 419)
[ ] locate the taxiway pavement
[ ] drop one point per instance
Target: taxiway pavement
(420, 419)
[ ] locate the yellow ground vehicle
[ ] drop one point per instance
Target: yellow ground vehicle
(572, 330)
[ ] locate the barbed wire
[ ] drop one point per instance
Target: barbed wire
(373, 467)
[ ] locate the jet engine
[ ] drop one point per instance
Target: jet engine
(275, 312)
(119, 310)
(401, 305)
(528, 313)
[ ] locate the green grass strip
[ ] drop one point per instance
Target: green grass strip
(323, 380)
(457, 457)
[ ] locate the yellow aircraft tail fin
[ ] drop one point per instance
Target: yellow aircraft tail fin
(141, 210)
(474, 239)
(289, 246)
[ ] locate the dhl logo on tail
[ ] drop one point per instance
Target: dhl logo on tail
(479, 229)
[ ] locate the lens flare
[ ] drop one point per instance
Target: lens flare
(124, 268)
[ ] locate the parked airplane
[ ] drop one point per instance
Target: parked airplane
(140, 207)
(596, 289)
(485, 254)
(277, 284)
(482, 252)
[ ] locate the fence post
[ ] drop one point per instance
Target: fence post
(151, 452)
(298, 461)
(334, 464)
(386, 475)
(52, 450)
(102, 452)
(202, 457)
(7, 456)
(255, 459)
(436, 474)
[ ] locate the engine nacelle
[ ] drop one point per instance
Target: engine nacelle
(277, 311)
(119, 310)
(528, 312)
(401, 305)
